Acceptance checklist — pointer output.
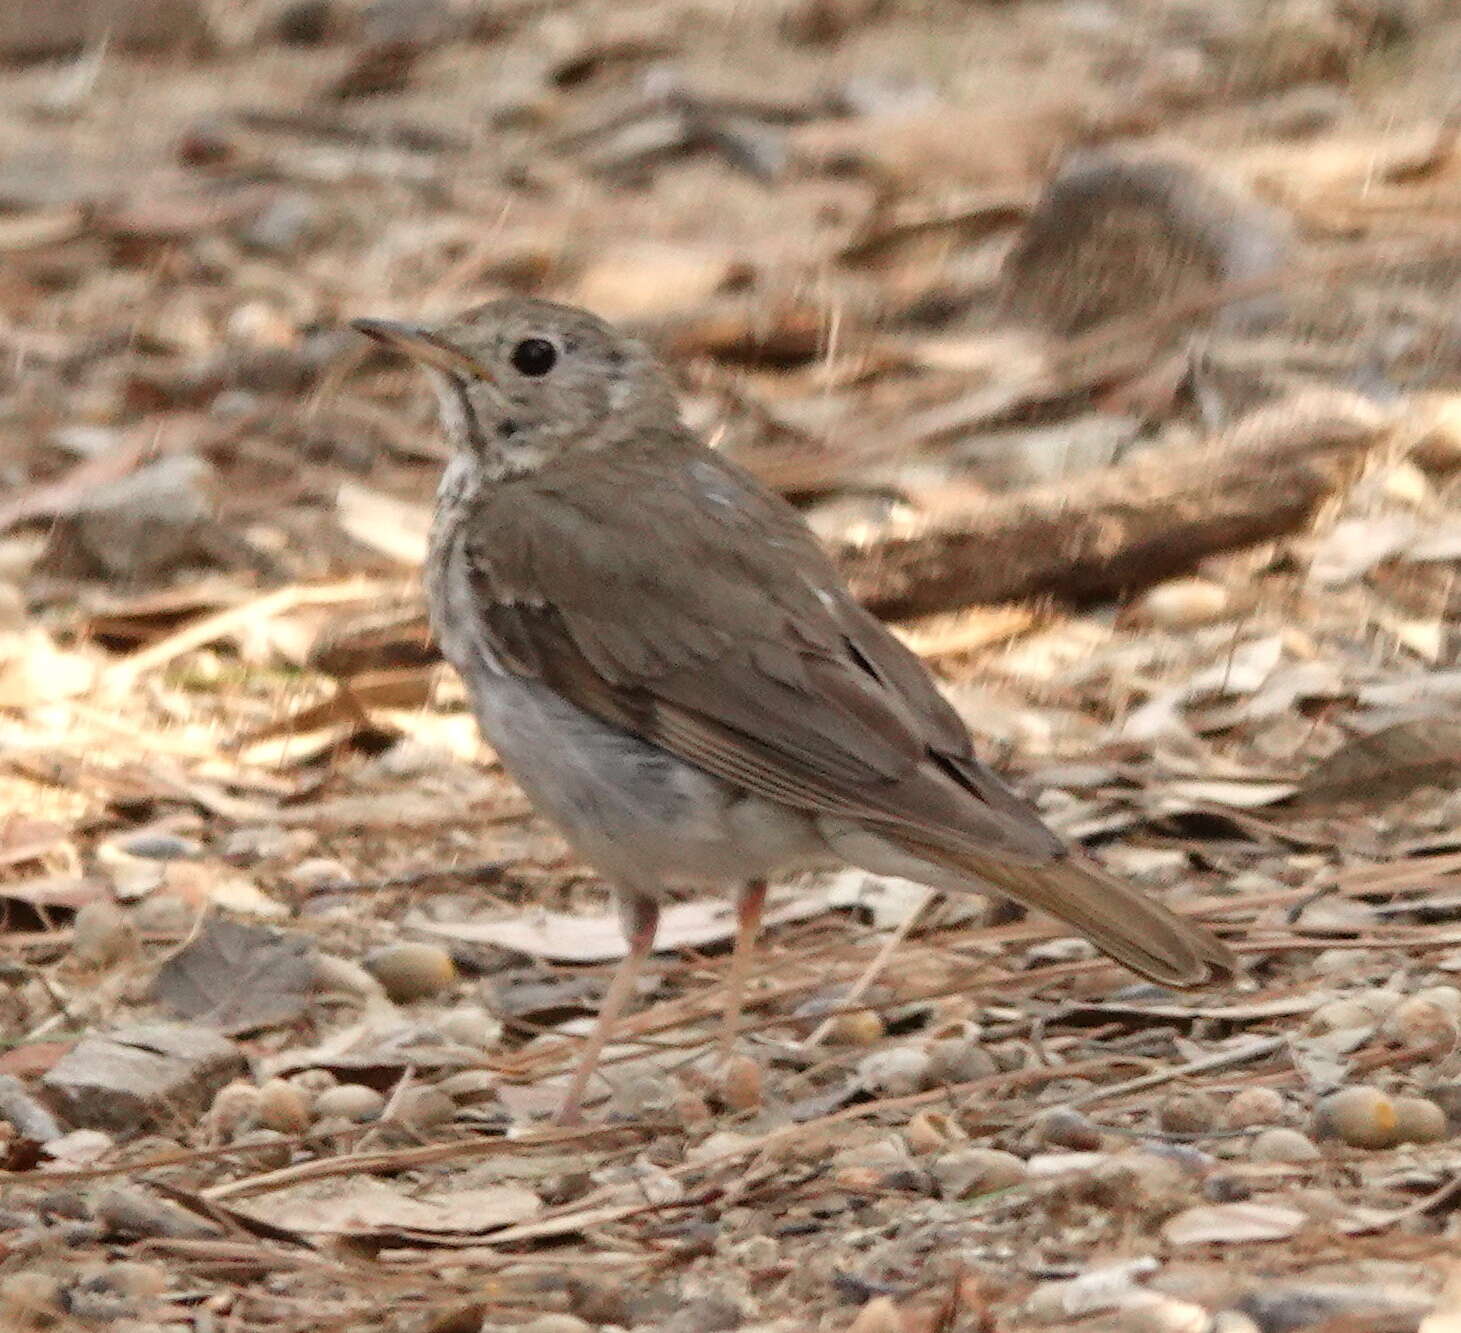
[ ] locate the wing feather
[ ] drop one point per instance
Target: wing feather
(746, 657)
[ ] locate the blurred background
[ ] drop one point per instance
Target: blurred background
(1114, 347)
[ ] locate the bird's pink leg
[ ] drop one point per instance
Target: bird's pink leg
(749, 907)
(641, 920)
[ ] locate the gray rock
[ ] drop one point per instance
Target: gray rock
(137, 527)
(1285, 1309)
(142, 1076)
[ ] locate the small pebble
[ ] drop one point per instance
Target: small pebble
(1280, 1144)
(1447, 997)
(132, 1278)
(1338, 1015)
(1419, 1120)
(470, 1086)
(471, 1025)
(958, 1060)
(862, 1027)
(159, 845)
(894, 1073)
(312, 1082)
(966, 1172)
(1252, 1107)
(412, 971)
(1183, 602)
(235, 1107)
(740, 1083)
(284, 1107)
(423, 1108)
(1061, 1127)
(102, 934)
(1187, 1113)
(931, 1131)
(1362, 1117)
(1419, 1022)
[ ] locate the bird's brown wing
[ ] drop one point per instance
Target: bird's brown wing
(665, 591)
(697, 611)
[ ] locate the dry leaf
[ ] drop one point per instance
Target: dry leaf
(1233, 1223)
(363, 1206)
(237, 978)
(377, 1050)
(564, 938)
(1239, 793)
(1423, 752)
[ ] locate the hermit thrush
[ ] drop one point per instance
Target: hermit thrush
(669, 665)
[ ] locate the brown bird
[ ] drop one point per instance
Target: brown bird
(670, 666)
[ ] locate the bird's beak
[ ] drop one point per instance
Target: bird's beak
(420, 344)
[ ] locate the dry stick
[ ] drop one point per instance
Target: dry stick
(1390, 875)
(1255, 1050)
(1365, 1062)
(1127, 526)
(873, 970)
(398, 1159)
(124, 674)
(544, 1139)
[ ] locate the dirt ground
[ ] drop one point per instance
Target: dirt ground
(1114, 347)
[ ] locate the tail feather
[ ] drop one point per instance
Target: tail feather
(1118, 919)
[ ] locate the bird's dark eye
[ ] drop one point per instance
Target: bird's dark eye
(534, 356)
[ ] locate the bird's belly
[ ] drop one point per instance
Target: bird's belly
(639, 815)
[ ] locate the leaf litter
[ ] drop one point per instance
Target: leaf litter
(1117, 363)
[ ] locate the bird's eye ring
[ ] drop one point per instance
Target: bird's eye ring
(534, 357)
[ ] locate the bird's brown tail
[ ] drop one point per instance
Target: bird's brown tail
(1118, 919)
